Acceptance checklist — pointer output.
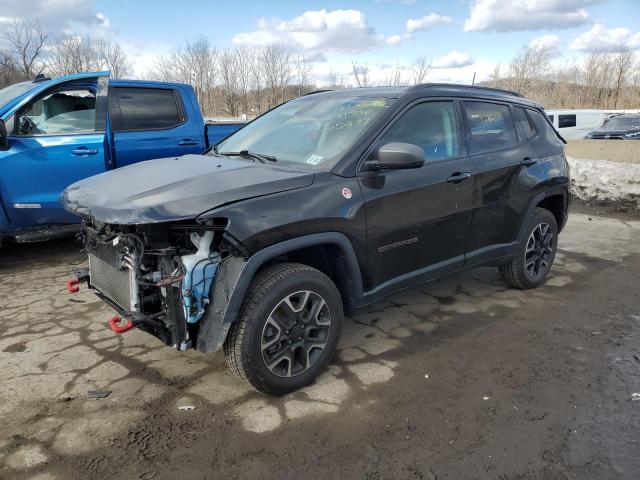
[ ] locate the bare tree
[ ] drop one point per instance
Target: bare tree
(360, 73)
(622, 64)
(195, 63)
(302, 69)
(530, 63)
(275, 60)
(395, 77)
(114, 58)
(25, 42)
(420, 69)
(9, 72)
(228, 63)
(73, 54)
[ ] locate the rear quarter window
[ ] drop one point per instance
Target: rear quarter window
(523, 124)
(490, 126)
(135, 108)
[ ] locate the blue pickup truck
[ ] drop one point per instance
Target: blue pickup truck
(56, 132)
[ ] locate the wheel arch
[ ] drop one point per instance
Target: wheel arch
(332, 253)
(556, 201)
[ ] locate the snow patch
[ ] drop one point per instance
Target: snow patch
(603, 180)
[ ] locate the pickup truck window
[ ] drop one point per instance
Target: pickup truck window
(63, 111)
(431, 126)
(312, 131)
(135, 108)
(490, 126)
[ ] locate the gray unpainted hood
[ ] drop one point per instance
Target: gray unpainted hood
(177, 188)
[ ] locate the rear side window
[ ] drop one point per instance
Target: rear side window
(490, 126)
(522, 123)
(550, 118)
(144, 109)
(565, 121)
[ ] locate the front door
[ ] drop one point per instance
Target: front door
(418, 219)
(57, 139)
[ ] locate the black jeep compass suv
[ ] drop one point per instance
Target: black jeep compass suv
(324, 204)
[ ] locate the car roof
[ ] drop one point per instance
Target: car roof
(430, 89)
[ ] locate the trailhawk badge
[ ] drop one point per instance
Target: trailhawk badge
(346, 193)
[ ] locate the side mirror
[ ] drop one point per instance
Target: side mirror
(395, 156)
(4, 139)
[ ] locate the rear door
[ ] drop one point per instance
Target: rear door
(152, 122)
(502, 157)
(56, 139)
(418, 219)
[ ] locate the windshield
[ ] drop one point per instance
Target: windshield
(312, 131)
(9, 93)
(623, 123)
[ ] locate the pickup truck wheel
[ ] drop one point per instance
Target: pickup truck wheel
(287, 329)
(536, 252)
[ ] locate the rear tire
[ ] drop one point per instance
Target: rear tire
(535, 253)
(287, 329)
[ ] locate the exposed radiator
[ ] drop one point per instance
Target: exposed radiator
(109, 277)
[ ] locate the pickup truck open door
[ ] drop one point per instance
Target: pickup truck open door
(57, 134)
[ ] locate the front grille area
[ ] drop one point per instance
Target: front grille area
(110, 278)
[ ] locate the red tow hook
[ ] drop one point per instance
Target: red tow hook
(72, 285)
(114, 324)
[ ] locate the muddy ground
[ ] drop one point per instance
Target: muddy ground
(460, 379)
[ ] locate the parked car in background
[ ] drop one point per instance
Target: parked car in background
(619, 127)
(575, 124)
(328, 202)
(56, 132)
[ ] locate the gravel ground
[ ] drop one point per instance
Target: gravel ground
(461, 378)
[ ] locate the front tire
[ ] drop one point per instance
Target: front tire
(287, 329)
(535, 254)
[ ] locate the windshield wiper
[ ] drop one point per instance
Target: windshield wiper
(261, 157)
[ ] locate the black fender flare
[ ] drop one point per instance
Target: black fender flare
(217, 321)
(533, 203)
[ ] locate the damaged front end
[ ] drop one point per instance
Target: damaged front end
(161, 278)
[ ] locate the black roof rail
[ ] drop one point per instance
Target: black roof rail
(458, 85)
(317, 91)
(41, 78)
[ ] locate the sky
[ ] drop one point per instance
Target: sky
(459, 37)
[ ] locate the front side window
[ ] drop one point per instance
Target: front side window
(144, 109)
(312, 131)
(63, 111)
(432, 126)
(565, 121)
(490, 126)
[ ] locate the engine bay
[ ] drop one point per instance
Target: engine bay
(157, 277)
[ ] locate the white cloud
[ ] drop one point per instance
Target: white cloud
(545, 41)
(453, 59)
(337, 30)
(57, 16)
(428, 21)
(393, 40)
(515, 15)
(601, 39)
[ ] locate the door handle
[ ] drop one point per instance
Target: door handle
(458, 177)
(528, 161)
(188, 141)
(84, 151)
